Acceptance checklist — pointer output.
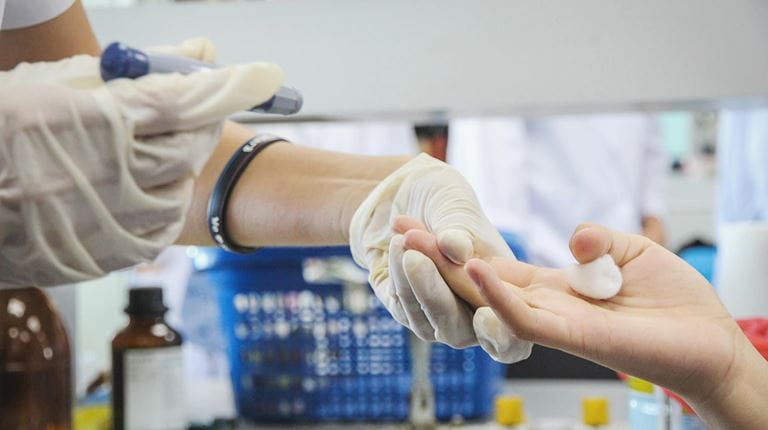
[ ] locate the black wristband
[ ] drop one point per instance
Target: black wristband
(217, 204)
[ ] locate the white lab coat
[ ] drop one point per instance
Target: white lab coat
(25, 13)
(742, 157)
(542, 177)
(742, 211)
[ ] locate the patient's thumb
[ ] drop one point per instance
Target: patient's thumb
(589, 241)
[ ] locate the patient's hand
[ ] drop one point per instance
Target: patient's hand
(666, 324)
(417, 238)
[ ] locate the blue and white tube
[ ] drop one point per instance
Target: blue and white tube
(121, 61)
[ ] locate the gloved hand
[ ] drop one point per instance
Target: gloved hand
(82, 71)
(95, 177)
(439, 200)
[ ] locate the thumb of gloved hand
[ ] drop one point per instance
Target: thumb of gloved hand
(462, 235)
(162, 103)
(177, 118)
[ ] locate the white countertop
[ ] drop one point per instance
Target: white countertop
(555, 403)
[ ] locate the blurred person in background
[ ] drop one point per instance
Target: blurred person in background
(742, 210)
(742, 166)
(541, 177)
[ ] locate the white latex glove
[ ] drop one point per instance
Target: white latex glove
(82, 71)
(407, 282)
(95, 177)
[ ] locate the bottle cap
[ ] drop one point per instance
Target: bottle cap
(594, 411)
(509, 410)
(640, 385)
(145, 301)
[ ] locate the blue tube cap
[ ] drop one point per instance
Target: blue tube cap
(121, 61)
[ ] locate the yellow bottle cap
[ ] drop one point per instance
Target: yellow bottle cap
(594, 411)
(640, 385)
(509, 410)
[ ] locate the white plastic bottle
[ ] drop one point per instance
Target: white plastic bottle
(647, 406)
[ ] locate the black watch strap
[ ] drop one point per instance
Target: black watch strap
(219, 200)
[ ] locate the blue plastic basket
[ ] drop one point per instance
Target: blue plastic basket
(298, 354)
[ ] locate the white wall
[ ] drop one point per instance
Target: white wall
(416, 58)
(690, 209)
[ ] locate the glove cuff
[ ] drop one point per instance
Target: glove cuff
(384, 192)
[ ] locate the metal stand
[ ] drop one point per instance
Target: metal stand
(422, 414)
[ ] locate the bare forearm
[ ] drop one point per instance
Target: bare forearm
(739, 401)
(288, 195)
(64, 36)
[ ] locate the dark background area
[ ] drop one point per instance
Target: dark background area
(547, 363)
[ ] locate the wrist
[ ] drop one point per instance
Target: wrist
(358, 190)
(352, 198)
(294, 195)
(737, 401)
(218, 219)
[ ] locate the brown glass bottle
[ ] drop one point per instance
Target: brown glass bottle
(147, 370)
(35, 372)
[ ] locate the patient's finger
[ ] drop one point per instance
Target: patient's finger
(505, 300)
(514, 306)
(514, 271)
(453, 274)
